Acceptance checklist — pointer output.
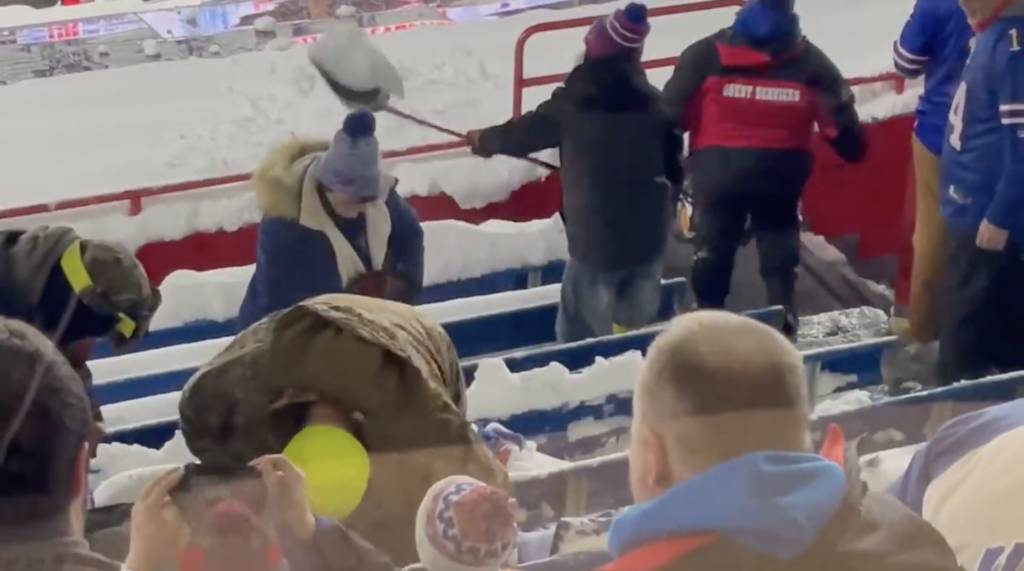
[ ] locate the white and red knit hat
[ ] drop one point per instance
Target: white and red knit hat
(466, 525)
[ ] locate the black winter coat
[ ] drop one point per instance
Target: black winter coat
(621, 161)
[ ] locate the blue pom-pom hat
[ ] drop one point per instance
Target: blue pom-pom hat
(351, 166)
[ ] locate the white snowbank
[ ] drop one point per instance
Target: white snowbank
(265, 24)
(454, 251)
(495, 393)
(173, 121)
(150, 47)
(178, 357)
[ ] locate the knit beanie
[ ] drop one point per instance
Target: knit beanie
(785, 6)
(768, 22)
(351, 166)
(466, 525)
(623, 31)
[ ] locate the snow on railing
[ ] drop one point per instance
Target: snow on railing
(135, 197)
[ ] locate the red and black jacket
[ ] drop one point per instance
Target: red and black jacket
(751, 112)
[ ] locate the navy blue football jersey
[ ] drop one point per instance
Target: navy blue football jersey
(983, 152)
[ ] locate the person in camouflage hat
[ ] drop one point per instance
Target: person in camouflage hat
(75, 290)
(388, 369)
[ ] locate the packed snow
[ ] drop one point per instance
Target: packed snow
(191, 355)
(495, 393)
(454, 251)
(174, 121)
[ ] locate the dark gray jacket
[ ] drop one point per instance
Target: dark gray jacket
(621, 161)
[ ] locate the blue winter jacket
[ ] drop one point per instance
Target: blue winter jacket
(295, 260)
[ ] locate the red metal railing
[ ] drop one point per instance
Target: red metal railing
(520, 82)
(135, 197)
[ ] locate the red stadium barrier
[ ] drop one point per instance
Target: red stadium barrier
(840, 199)
(866, 200)
(519, 80)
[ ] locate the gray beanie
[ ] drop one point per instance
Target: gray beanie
(351, 166)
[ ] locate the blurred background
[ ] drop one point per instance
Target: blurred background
(217, 29)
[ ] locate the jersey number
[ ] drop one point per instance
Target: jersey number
(956, 115)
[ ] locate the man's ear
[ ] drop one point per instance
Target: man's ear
(658, 474)
(80, 474)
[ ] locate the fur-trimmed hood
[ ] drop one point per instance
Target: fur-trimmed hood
(279, 178)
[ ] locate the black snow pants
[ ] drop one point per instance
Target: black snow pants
(983, 310)
(720, 228)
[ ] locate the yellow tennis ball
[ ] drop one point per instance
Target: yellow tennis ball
(336, 466)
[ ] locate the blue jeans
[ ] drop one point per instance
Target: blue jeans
(594, 302)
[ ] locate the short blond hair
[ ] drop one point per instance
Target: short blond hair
(723, 385)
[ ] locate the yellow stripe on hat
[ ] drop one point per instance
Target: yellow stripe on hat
(73, 266)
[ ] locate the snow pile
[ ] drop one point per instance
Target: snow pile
(180, 357)
(151, 48)
(122, 471)
(454, 251)
(473, 182)
(265, 25)
(278, 45)
(193, 119)
(346, 54)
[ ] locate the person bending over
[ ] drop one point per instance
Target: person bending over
(332, 223)
(75, 291)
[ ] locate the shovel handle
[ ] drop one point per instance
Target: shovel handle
(462, 136)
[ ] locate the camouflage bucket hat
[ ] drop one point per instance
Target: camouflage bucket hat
(120, 285)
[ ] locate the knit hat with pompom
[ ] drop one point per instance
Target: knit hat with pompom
(351, 166)
(623, 31)
(466, 525)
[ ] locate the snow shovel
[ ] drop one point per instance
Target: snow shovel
(367, 78)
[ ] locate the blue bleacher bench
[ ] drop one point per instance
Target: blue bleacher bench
(535, 422)
(887, 424)
(473, 337)
(487, 284)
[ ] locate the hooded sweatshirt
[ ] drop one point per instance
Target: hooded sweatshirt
(771, 509)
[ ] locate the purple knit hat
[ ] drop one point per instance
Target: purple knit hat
(351, 166)
(623, 31)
